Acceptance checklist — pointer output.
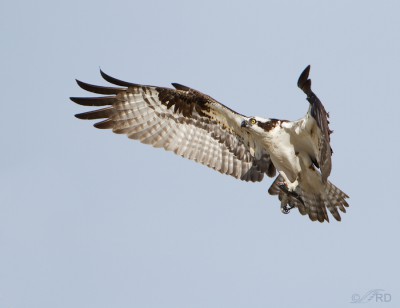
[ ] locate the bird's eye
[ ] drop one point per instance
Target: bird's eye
(253, 121)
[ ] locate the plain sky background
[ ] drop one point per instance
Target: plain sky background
(92, 219)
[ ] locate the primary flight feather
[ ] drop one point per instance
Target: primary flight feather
(195, 126)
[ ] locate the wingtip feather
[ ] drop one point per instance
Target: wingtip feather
(98, 89)
(179, 86)
(106, 124)
(95, 114)
(304, 82)
(116, 81)
(79, 116)
(94, 101)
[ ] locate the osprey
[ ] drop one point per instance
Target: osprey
(196, 126)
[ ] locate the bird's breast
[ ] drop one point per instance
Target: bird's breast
(282, 152)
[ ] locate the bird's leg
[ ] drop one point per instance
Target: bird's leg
(287, 185)
(290, 191)
(283, 186)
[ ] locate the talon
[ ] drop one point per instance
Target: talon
(286, 209)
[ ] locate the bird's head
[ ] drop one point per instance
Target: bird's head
(248, 122)
(257, 124)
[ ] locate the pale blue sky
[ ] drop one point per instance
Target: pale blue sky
(92, 219)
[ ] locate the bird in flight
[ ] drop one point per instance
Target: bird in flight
(196, 126)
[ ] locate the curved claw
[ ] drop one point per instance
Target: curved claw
(286, 209)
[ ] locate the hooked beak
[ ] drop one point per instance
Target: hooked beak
(244, 124)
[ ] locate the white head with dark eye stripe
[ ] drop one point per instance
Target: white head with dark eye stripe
(257, 124)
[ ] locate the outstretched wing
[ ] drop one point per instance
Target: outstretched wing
(318, 114)
(182, 120)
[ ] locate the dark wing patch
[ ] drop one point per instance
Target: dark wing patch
(320, 115)
(185, 102)
(182, 120)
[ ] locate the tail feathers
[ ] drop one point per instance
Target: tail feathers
(335, 199)
(315, 205)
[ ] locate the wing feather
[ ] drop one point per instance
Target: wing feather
(318, 113)
(98, 89)
(182, 120)
(94, 101)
